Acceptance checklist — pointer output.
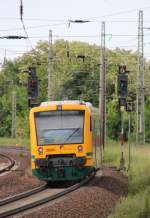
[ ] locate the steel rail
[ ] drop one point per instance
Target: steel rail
(22, 195)
(11, 164)
(13, 148)
(19, 209)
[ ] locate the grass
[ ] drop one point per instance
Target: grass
(14, 142)
(137, 203)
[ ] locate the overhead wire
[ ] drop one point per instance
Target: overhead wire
(119, 12)
(67, 21)
(93, 19)
(34, 27)
(23, 25)
(91, 36)
(33, 19)
(87, 36)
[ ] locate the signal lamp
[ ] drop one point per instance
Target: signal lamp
(122, 85)
(80, 148)
(32, 87)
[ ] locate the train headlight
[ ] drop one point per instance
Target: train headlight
(80, 148)
(40, 150)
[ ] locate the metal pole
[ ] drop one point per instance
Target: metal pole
(129, 135)
(13, 130)
(140, 85)
(122, 159)
(105, 124)
(50, 57)
(4, 58)
(102, 87)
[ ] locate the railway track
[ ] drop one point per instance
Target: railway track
(13, 149)
(36, 197)
(9, 165)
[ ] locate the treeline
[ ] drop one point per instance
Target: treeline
(74, 77)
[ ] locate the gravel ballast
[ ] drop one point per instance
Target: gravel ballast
(20, 179)
(97, 199)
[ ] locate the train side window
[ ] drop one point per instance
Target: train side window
(90, 123)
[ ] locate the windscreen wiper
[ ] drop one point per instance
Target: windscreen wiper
(69, 137)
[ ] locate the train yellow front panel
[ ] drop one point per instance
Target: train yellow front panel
(78, 150)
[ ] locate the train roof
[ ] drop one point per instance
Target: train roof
(69, 102)
(93, 109)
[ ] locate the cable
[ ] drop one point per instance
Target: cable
(33, 19)
(21, 18)
(34, 27)
(27, 35)
(91, 36)
(69, 36)
(118, 13)
(54, 20)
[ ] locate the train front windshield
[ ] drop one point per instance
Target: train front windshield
(59, 127)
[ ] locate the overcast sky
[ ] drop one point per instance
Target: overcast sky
(41, 15)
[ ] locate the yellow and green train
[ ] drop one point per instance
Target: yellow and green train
(64, 138)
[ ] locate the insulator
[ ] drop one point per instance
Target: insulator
(21, 10)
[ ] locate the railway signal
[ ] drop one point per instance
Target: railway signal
(32, 86)
(122, 85)
(32, 83)
(122, 93)
(122, 81)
